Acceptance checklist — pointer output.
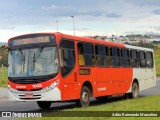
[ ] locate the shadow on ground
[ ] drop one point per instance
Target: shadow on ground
(94, 102)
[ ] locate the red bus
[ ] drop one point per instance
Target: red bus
(49, 67)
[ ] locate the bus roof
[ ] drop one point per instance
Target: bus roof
(105, 42)
(139, 48)
(85, 39)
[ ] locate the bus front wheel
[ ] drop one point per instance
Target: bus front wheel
(44, 104)
(135, 91)
(84, 98)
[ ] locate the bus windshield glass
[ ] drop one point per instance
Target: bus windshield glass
(33, 55)
(39, 61)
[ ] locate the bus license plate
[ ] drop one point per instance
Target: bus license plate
(28, 95)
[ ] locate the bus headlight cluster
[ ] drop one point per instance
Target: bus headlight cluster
(12, 89)
(52, 86)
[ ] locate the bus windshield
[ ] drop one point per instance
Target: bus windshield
(38, 61)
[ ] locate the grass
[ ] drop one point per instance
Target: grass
(157, 61)
(3, 77)
(149, 103)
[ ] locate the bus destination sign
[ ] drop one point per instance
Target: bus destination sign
(31, 40)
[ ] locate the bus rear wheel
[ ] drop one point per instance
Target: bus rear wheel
(135, 91)
(44, 104)
(84, 98)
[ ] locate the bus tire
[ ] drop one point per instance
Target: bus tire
(135, 91)
(84, 97)
(44, 104)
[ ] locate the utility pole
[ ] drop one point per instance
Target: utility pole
(73, 25)
(57, 25)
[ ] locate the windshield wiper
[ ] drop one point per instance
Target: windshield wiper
(37, 54)
(23, 57)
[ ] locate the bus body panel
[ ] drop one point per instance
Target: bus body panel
(68, 86)
(121, 78)
(104, 81)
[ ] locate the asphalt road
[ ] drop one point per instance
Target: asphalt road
(32, 106)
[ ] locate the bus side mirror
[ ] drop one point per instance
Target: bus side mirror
(4, 56)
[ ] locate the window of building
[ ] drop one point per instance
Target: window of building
(67, 56)
(85, 54)
(115, 56)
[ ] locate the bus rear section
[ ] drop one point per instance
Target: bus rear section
(143, 64)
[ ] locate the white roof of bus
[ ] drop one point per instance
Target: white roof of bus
(139, 48)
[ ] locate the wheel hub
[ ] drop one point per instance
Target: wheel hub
(135, 91)
(85, 96)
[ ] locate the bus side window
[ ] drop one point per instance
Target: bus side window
(134, 58)
(142, 59)
(100, 55)
(86, 54)
(67, 58)
(80, 55)
(115, 56)
(149, 59)
(125, 57)
(107, 56)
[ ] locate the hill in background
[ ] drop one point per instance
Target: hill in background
(3, 43)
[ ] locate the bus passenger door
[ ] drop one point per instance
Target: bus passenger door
(67, 63)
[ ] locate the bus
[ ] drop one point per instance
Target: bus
(52, 67)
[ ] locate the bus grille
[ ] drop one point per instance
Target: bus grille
(31, 80)
(35, 96)
(30, 90)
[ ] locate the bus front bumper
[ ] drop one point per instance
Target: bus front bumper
(51, 95)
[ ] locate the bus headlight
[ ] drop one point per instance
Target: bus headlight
(50, 87)
(12, 89)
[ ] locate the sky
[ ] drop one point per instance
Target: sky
(91, 17)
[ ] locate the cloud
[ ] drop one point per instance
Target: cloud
(65, 11)
(95, 15)
(157, 12)
(113, 15)
(33, 13)
(52, 7)
(146, 2)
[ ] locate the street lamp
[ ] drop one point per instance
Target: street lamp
(73, 25)
(57, 25)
